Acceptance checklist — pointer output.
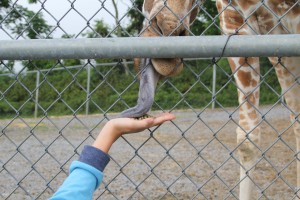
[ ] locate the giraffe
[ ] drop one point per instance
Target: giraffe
(162, 18)
(242, 17)
(249, 17)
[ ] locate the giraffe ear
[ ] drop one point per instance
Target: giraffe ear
(194, 13)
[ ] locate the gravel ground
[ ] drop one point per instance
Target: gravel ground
(191, 157)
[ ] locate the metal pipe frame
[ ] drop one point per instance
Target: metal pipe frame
(154, 47)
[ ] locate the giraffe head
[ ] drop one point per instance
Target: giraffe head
(162, 18)
(168, 18)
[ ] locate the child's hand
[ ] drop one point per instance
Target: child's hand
(129, 125)
(116, 127)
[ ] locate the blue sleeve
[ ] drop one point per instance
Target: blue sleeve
(85, 175)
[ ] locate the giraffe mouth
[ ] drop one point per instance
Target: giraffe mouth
(167, 66)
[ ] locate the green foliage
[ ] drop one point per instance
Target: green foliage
(22, 21)
(39, 64)
(65, 92)
(100, 29)
(4, 4)
(136, 18)
(206, 23)
(32, 1)
(38, 27)
(71, 62)
(270, 88)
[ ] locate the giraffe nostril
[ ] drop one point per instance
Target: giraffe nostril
(183, 33)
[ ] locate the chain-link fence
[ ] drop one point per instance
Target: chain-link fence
(54, 100)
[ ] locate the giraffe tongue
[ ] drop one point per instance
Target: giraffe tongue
(168, 66)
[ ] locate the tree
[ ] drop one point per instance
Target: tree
(22, 22)
(206, 22)
(100, 29)
(136, 18)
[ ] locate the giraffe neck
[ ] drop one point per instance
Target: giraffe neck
(257, 17)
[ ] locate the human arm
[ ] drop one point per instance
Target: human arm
(117, 127)
(86, 174)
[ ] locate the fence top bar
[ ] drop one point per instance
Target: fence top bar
(154, 47)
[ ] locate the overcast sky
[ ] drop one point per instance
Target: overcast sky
(71, 21)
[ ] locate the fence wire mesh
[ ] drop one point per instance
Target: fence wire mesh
(50, 109)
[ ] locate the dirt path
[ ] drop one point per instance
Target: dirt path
(195, 156)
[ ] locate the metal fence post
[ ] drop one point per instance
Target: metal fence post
(88, 89)
(214, 86)
(37, 93)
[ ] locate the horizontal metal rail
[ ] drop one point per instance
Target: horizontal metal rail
(154, 47)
